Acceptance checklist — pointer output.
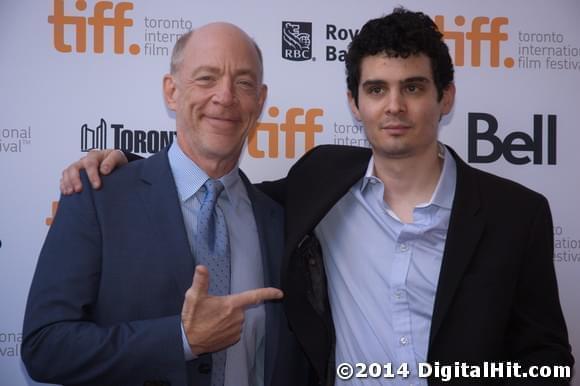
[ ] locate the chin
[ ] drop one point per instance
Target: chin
(396, 152)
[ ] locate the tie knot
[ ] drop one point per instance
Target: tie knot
(214, 189)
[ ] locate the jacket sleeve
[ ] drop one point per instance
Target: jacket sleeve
(62, 342)
(538, 335)
(276, 190)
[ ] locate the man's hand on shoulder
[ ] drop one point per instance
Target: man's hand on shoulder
(96, 162)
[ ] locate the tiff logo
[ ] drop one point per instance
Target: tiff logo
(53, 208)
(94, 139)
(475, 36)
(296, 40)
(78, 26)
(289, 127)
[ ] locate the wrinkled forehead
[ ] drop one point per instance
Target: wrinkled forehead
(223, 47)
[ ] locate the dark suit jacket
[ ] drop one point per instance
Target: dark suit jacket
(105, 302)
(497, 298)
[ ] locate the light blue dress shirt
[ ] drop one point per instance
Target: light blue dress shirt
(383, 274)
(245, 359)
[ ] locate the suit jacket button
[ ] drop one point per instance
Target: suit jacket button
(204, 368)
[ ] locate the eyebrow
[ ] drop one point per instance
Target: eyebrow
(379, 82)
(416, 79)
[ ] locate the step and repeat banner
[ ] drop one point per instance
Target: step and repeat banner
(82, 74)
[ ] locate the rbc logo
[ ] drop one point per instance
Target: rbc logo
(494, 36)
(516, 141)
(289, 127)
(98, 22)
(296, 40)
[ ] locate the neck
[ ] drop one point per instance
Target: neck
(408, 181)
(215, 166)
(216, 169)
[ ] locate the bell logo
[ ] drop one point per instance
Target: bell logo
(517, 146)
(117, 21)
(494, 36)
(290, 127)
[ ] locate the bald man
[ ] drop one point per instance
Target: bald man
(113, 301)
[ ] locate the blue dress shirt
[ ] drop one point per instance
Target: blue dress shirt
(245, 359)
(383, 273)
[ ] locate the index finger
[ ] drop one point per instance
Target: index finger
(255, 296)
(92, 168)
(91, 163)
(113, 159)
(71, 180)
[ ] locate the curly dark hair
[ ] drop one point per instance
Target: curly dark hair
(400, 34)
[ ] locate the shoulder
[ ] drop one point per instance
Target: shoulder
(121, 179)
(329, 153)
(330, 158)
(499, 194)
(146, 170)
(495, 185)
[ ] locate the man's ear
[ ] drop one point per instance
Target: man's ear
(262, 94)
(170, 91)
(448, 99)
(353, 107)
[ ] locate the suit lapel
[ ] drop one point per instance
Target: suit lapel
(465, 229)
(160, 197)
(271, 250)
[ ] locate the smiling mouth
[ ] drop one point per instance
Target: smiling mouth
(396, 128)
(224, 119)
(222, 122)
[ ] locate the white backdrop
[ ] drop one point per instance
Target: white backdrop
(517, 64)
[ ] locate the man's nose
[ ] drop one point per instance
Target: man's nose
(225, 93)
(395, 102)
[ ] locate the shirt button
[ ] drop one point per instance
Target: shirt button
(399, 294)
(404, 340)
(403, 247)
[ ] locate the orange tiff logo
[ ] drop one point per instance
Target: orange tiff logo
(492, 35)
(97, 22)
(289, 127)
(53, 209)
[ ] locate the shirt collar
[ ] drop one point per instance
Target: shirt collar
(445, 189)
(189, 177)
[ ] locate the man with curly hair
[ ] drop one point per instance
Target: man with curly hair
(403, 253)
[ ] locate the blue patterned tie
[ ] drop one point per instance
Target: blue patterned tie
(212, 249)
